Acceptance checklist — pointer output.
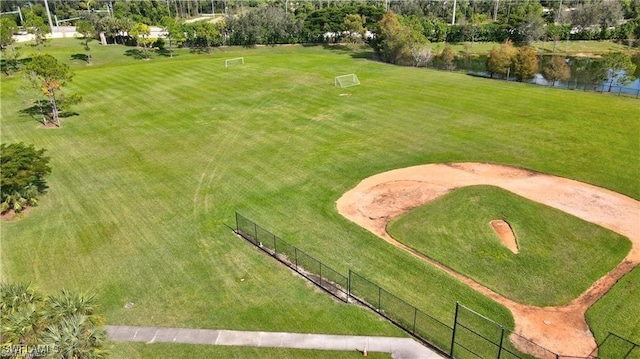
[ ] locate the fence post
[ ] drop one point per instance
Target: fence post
(415, 315)
(275, 246)
(379, 292)
(629, 352)
(295, 251)
(237, 227)
(255, 230)
(453, 334)
(349, 286)
(320, 273)
(501, 341)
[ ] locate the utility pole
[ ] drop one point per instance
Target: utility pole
(559, 15)
(46, 5)
(495, 11)
(453, 18)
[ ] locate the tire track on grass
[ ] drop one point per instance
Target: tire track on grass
(210, 172)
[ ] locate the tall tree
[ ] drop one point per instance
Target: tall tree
(391, 40)
(141, 33)
(476, 21)
(621, 69)
(416, 41)
(556, 69)
(88, 34)
(525, 63)
(636, 61)
(610, 13)
(532, 28)
(205, 33)
(354, 26)
(7, 43)
(175, 33)
(447, 56)
(38, 27)
(109, 27)
(50, 76)
(500, 58)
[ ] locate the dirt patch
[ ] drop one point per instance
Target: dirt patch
(505, 232)
(378, 199)
(11, 215)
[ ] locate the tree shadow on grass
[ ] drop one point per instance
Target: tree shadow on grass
(135, 53)
(81, 57)
(164, 52)
(199, 50)
(33, 112)
(67, 114)
(356, 51)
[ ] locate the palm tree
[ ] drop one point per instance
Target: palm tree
(67, 304)
(66, 323)
(76, 337)
(21, 313)
(14, 296)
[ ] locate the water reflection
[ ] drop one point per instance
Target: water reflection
(586, 74)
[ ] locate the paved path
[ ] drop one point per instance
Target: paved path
(399, 348)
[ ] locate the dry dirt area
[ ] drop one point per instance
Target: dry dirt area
(505, 232)
(563, 330)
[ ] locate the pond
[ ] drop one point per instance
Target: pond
(586, 74)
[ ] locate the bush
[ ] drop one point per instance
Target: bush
(158, 44)
(22, 172)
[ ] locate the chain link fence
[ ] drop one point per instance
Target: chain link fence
(616, 347)
(472, 336)
(421, 325)
(309, 267)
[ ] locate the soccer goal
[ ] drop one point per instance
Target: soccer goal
(234, 61)
(347, 80)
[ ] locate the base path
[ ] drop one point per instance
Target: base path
(399, 348)
(378, 199)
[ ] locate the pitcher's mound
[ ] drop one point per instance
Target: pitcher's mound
(504, 231)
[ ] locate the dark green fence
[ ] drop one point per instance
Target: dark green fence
(309, 267)
(472, 336)
(616, 347)
(414, 321)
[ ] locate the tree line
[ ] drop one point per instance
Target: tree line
(287, 21)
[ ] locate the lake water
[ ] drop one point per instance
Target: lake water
(584, 75)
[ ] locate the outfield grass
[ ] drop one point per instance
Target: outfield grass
(147, 176)
(560, 256)
(189, 351)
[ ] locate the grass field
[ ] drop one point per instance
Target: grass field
(560, 255)
(187, 351)
(147, 176)
(571, 48)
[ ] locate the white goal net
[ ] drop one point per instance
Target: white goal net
(234, 61)
(347, 80)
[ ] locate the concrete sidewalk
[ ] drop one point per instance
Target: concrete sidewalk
(399, 348)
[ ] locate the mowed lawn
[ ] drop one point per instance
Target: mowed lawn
(147, 176)
(189, 351)
(560, 256)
